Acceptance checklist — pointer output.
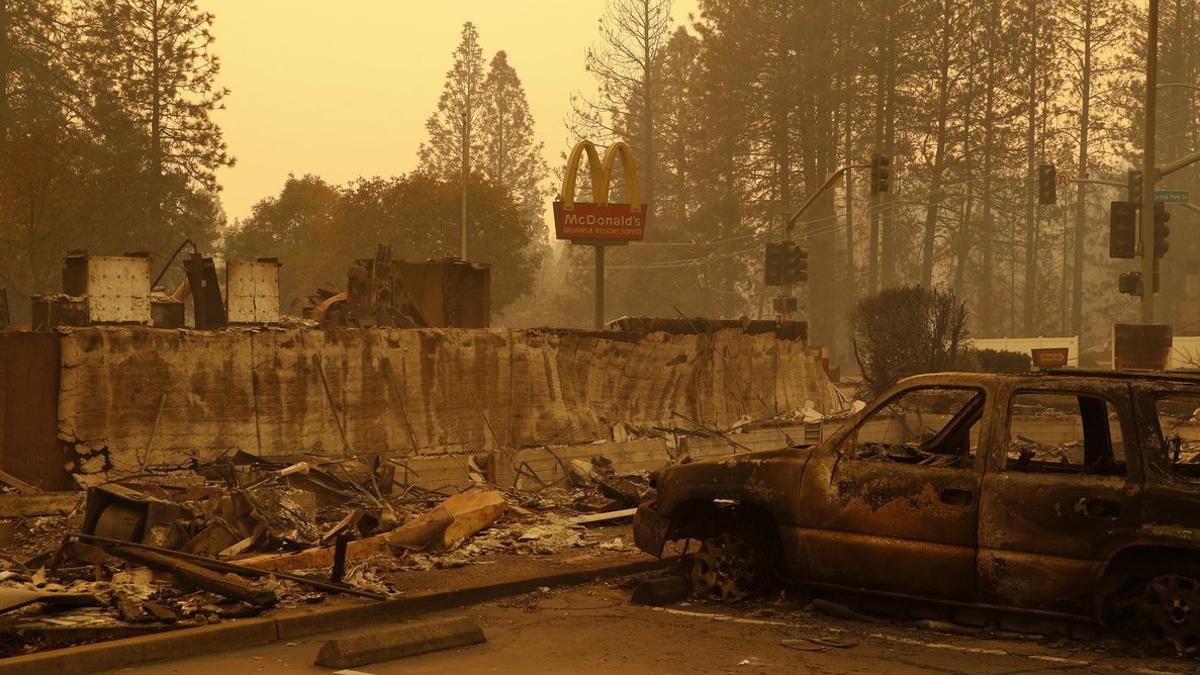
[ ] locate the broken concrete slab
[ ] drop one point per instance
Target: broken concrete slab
(664, 591)
(399, 642)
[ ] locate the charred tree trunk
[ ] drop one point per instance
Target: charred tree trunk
(1081, 193)
(874, 234)
(987, 298)
(156, 135)
(889, 142)
(5, 68)
(934, 204)
(1031, 221)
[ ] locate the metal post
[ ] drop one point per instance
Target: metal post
(462, 229)
(851, 278)
(599, 286)
(1149, 175)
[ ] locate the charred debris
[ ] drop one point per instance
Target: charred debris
(243, 535)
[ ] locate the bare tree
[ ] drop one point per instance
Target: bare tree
(625, 64)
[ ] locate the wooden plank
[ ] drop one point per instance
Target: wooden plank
(603, 517)
(45, 504)
(193, 575)
(21, 486)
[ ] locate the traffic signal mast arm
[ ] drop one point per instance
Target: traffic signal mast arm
(829, 182)
(1100, 181)
(1181, 163)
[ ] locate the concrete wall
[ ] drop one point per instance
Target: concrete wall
(165, 397)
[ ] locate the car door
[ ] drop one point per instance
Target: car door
(1058, 494)
(892, 505)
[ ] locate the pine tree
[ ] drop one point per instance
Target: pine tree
(511, 154)
(455, 133)
(40, 150)
(1094, 32)
(150, 61)
(27, 29)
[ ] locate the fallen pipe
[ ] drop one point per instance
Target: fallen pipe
(224, 566)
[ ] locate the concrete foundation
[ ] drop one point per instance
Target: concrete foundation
(134, 397)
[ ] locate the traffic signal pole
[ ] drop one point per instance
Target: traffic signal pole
(829, 182)
(1149, 171)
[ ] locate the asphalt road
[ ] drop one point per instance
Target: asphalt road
(594, 629)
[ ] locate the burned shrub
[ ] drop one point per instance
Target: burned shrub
(1000, 361)
(905, 331)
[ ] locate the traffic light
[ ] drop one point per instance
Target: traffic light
(881, 173)
(796, 269)
(1122, 230)
(1135, 187)
(775, 263)
(1161, 229)
(1047, 185)
(786, 305)
(1130, 283)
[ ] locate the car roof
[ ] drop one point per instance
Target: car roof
(980, 379)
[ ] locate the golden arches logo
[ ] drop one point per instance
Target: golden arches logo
(601, 174)
(598, 222)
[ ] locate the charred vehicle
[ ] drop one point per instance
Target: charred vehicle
(1065, 495)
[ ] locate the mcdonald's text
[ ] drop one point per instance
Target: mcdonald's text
(607, 222)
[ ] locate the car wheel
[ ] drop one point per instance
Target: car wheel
(727, 567)
(1170, 611)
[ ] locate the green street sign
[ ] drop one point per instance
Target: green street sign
(1172, 196)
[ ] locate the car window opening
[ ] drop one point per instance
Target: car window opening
(1064, 433)
(1179, 424)
(928, 427)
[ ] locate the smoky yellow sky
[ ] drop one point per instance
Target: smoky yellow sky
(343, 89)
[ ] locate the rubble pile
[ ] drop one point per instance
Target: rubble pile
(243, 535)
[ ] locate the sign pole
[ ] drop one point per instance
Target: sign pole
(600, 223)
(1149, 176)
(599, 286)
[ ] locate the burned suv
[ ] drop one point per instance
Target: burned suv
(1065, 495)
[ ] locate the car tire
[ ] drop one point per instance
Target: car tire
(734, 562)
(1168, 612)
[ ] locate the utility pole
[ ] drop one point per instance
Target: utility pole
(851, 277)
(462, 228)
(1149, 171)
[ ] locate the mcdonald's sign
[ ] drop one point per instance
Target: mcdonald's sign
(598, 221)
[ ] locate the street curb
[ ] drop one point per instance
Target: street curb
(241, 633)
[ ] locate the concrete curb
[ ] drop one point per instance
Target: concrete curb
(242, 633)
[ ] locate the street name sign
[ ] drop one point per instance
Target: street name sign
(1172, 196)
